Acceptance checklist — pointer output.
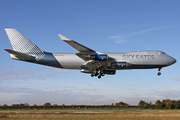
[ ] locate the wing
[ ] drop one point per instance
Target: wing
(94, 59)
(76, 45)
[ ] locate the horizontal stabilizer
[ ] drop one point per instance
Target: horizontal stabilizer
(18, 54)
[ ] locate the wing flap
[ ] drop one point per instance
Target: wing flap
(18, 54)
(91, 64)
(83, 56)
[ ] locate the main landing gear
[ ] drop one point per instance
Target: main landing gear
(97, 73)
(159, 73)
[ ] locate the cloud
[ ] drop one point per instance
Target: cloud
(118, 39)
(39, 97)
(43, 77)
(16, 74)
(144, 31)
(54, 70)
(13, 73)
(5, 67)
(151, 96)
(176, 78)
(78, 94)
(123, 38)
(169, 94)
(115, 37)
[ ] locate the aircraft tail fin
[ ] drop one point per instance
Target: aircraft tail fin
(22, 44)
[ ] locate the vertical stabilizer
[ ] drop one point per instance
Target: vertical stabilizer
(21, 44)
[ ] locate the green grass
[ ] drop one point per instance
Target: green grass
(95, 110)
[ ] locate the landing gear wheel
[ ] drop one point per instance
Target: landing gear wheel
(159, 73)
(96, 74)
(102, 74)
(93, 73)
(99, 76)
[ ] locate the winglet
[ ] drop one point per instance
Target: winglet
(63, 37)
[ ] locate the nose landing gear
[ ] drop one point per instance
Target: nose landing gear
(159, 73)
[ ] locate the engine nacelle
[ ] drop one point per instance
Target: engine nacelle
(99, 57)
(86, 71)
(119, 65)
(110, 72)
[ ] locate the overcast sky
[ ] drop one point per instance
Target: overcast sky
(102, 25)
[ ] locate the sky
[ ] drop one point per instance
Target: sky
(102, 25)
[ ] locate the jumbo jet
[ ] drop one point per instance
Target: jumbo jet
(86, 60)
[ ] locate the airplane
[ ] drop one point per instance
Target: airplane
(86, 60)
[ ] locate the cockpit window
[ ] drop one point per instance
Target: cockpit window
(161, 53)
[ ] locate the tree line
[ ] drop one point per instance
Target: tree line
(48, 105)
(164, 104)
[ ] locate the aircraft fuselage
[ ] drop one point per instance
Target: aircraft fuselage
(138, 60)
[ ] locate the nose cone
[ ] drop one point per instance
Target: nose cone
(171, 60)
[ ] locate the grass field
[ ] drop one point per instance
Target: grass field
(90, 114)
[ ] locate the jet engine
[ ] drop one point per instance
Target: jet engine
(99, 57)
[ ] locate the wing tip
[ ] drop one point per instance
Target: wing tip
(63, 37)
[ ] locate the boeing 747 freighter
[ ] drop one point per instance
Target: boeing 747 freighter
(86, 60)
